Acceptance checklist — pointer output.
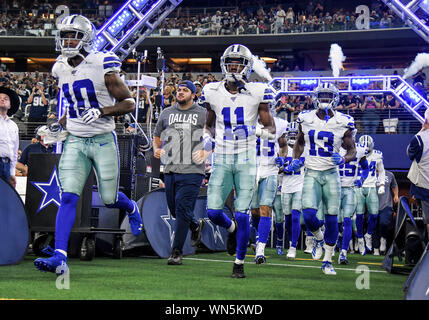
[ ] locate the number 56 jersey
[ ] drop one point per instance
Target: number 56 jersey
(323, 138)
(83, 87)
(234, 110)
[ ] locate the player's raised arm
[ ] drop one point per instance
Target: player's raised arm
(269, 130)
(118, 89)
(349, 145)
(298, 147)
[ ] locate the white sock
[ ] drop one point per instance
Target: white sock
(62, 251)
(318, 234)
(260, 249)
(328, 252)
(239, 261)
(232, 227)
(344, 252)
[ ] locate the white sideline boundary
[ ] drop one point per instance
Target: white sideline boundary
(287, 265)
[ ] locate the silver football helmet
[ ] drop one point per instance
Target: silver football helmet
(236, 54)
(367, 142)
(83, 30)
(292, 133)
(326, 96)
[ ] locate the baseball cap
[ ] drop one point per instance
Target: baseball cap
(189, 85)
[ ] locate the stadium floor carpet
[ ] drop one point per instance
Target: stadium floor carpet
(205, 276)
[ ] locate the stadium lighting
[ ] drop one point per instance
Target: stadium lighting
(308, 82)
(361, 81)
(413, 95)
(139, 4)
(120, 22)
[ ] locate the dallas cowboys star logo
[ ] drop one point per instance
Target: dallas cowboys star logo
(168, 219)
(215, 230)
(50, 190)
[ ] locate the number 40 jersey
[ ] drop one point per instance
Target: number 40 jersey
(323, 138)
(83, 87)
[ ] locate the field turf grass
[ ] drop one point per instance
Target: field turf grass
(203, 276)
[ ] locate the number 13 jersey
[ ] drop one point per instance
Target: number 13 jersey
(323, 138)
(83, 87)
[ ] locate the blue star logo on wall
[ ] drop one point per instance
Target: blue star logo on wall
(215, 230)
(50, 191)
(168, 220)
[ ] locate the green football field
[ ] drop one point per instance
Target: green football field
(204, 276)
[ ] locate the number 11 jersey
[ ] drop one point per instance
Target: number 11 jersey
(83, 87)
(323, 138)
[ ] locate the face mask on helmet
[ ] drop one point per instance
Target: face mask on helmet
(367, 142)
(326, 97)
(291, 138)
(236, 63)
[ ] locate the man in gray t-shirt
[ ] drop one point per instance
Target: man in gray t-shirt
(385, 213)
(178, 143)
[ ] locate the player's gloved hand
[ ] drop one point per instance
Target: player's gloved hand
(381, 190)
(288, 169)
(280, 161)
(358, 183)
(295, 165)
(52, 133)
(337, 158)
(242, 132)
(92, 114)
(208, 142)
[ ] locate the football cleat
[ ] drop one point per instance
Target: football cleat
(361, 246)
(279, 250)
(327, 268)
(342, 259)
(175, 258)
(197, 234)
(308, 244)
(238, 271)
(291, 253)
(135, 219)
(56, 264)
(376, 252)
(368, 241)
(231, 241)
(318, 249)
(260, 259)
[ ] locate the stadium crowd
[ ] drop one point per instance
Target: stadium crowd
(21, 17)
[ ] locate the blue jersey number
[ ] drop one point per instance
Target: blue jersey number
(226, 112)
(372, 169)
(267, 149)
(78, 85)
(288, 161)
(348, 169)
(328, 139)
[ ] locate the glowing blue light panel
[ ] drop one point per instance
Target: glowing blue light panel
(360, 81)
(120, 22)
(308, 82)
(139, 4)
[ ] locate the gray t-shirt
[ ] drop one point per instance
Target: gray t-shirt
(385, 199)
(181, 133)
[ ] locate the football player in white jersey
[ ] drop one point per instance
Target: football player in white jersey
(323, 131)
(266, 186)
(350, 181)
(90, 83)
(233, 107)
(291, 195)
(367, 195)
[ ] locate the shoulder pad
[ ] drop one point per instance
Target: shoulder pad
(378, 153)
(345, 120)
(306, 116)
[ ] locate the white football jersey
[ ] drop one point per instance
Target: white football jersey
(234, 110)
(323, 138)
(349, 171)
(83, 87)
(293, 181)
(375, 163)
(268, 150)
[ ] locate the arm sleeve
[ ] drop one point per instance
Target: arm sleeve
(415, 148)
(159, 125)
(268, 96)
(393, 183)
(365, 168)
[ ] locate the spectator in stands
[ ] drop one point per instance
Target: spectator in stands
(385, 21)
(216, 23)
(143, 106)
(279, 19)
(38, 104)
(290, 15)
(419, 77)
(418, 152)
(169, 98)
(33, 148)
(347, 103)
(371, 114)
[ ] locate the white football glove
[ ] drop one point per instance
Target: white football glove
(53, 133)
(381, 190)
(92, 114)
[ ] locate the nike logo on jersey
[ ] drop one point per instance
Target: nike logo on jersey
(103, 144)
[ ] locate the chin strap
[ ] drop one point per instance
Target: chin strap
(327, 114)
(239, 84)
